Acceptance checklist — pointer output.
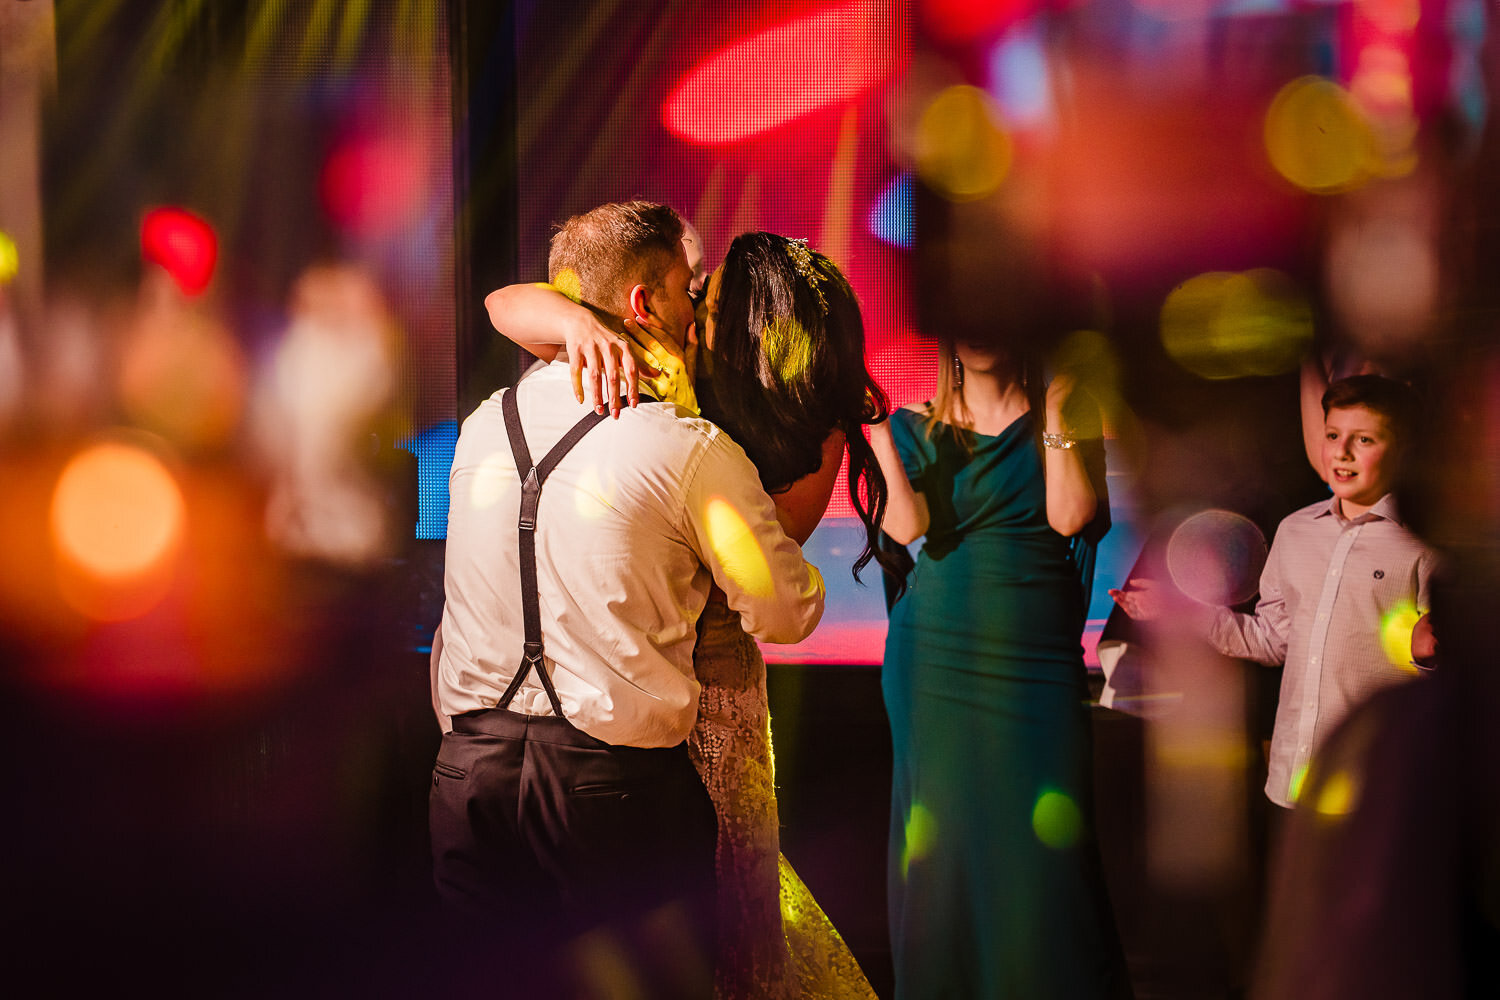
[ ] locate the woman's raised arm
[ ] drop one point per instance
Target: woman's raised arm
(1071, 499)
(542, 319)
(906, 516)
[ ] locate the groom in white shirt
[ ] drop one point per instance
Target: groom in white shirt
(563, 801)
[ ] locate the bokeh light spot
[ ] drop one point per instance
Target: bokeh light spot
(1090, 357)
(1020, 79)
(1294, 787)
(10, 259)
(1215, 557)
(1395, 634)
(737, 549)
(787, 349)
(962, 152)
(1337, 795)
(493, 478)
(606, 967)
(919, 836)
(569, 284)
(593, 500)
(1228, 325)
(1316, 137)
(373, 185)
(183, 244)
(117, 511)
(1057, 820)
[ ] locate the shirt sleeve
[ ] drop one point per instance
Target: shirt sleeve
(778, 594)
(911, 444)
(1426, 564)
(1261, 636)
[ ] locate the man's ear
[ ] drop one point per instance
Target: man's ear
(640, 302)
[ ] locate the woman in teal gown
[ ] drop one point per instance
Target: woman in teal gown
(995, 885)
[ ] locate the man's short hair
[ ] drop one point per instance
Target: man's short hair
(612, 248)
(1396, 401)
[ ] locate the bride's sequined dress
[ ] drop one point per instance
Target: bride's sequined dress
(774, 939)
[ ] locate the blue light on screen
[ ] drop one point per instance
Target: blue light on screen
(434, 450)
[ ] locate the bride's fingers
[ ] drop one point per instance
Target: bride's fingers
(629, 372)
(575, 372)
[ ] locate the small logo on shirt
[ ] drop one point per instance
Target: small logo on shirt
(1380, 574)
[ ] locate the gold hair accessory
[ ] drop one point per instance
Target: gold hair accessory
(802, 260)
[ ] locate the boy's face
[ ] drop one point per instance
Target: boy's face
(1359, 457)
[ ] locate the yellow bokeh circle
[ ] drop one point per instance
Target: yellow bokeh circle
(962, 152)
(1316, 137)
(1223, 324)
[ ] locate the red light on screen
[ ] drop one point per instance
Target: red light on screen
(181, 243)
(779, 74)
(970, 20)
(373, 185)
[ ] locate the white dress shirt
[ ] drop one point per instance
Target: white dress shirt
(634, 526)
(1328, 589)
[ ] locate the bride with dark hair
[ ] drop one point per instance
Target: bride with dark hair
(783, 372)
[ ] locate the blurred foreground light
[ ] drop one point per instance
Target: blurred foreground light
(1316, 137)
(373, 185)
(569, 284)
(787, 348)
(1395, 634)
(920, 835)
(182, 375)
(493, 479)
(1020, 77)
(1057, 820)
(118, 517)
(1294, 787)
(962, 151)
(736, 547)
(1384, 280)
(595, 497)
(1337, 795)
(1228, 325)
(1090, 357)
(10, 259)
(1215, 557)
(183, 244)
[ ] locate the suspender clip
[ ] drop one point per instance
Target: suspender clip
(531, 495)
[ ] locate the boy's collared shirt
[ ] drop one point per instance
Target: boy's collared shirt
(1329, 588)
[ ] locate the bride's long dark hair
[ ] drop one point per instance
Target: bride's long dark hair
(788, 366)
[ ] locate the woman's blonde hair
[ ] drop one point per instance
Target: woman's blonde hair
(948, 403)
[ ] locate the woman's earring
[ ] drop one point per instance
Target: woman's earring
(958, 373)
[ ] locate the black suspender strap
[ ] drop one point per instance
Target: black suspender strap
(531, 493)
